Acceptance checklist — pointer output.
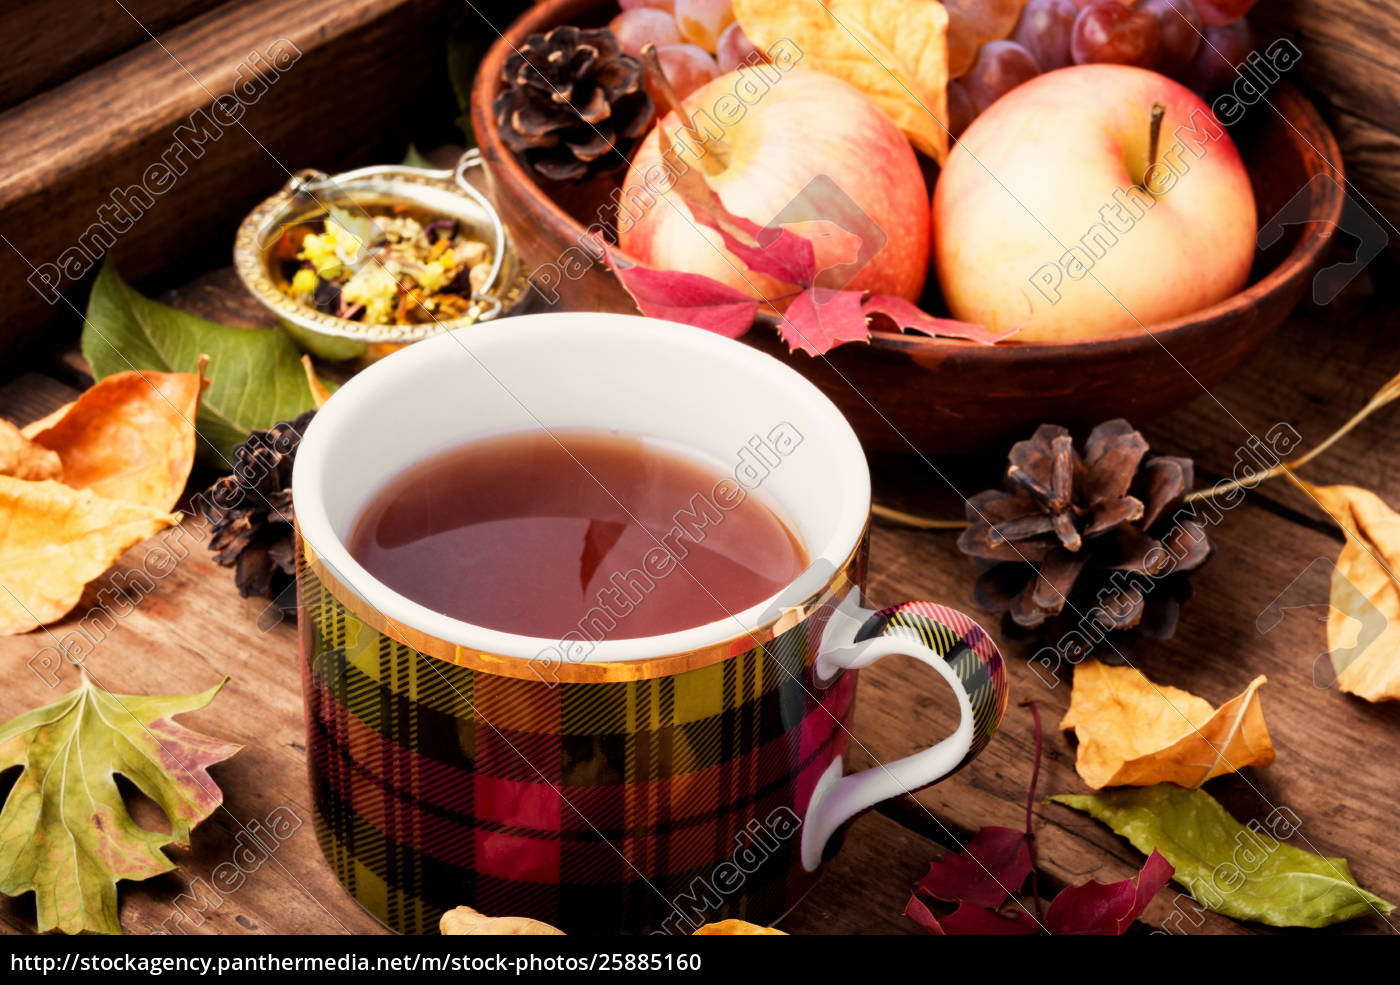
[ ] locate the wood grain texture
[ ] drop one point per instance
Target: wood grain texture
(57, 39)
(1351, 58)
(66, 152)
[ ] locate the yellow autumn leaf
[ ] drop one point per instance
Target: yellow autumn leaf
(129, 437)
(736, 928)
(24, 459)
(319, 393)
(894, 51)
(1363, 623)
(464, 921)
(44, 423)
(54, 540)
(1133, 732)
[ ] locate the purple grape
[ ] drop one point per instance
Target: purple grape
(1044, 30)
(1107, 31)
(1000, 67)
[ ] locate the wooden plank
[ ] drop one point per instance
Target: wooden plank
(31, 396)
(1351, 57)
(65, 37)
(864, 889)
(1322, 367)
(359, 62)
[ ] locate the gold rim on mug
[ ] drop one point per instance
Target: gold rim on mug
(583, 672)
(443, 192)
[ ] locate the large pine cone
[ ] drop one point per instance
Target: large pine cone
(1091, 540)
(251, 512)
(572, 103)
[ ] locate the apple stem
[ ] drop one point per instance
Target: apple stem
(1154, 134)
(673, 102)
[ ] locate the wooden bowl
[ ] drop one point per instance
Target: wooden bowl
(911, 393)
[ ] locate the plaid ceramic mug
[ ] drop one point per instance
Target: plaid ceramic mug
(608, 785)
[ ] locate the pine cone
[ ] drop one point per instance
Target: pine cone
(572, 103)
(1086, 541)
(251, 512)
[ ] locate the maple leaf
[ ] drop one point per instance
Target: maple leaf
(819, 319)
(1107, 908)
(65, 832)
(994, 864)
(692, 299)
(894, 51)
(907, 315)
(770, 250)
(23, 459)
(972, 920)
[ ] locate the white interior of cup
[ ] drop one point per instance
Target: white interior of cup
(567, 371)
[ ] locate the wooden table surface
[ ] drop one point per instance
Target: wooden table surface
(1335, 770)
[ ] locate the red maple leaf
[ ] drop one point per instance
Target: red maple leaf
(994, 864)
(692, 299)
(820, 318)
(907, 315)
(770, 250)
(1098, 908)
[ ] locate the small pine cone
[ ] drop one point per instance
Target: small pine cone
(1091, 542)
(251, 512)
(572, 103)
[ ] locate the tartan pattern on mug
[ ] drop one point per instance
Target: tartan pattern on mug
(608, 807)
(968, 650)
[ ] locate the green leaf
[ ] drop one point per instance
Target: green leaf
(413, 158)
(1241, 872)
(65, 832)
(256, 377)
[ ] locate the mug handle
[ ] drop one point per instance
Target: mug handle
(958, 649)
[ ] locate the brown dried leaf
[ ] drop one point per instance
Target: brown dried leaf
(24, 459)
(54, 540)
(466, 921)
(1365, 590)
(895, 51)
(130, 437)
(1133, 732)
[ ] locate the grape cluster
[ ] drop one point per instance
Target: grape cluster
(696, 40)
(995, 45)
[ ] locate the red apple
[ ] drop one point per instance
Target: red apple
(1047, 215)
(796, 144)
